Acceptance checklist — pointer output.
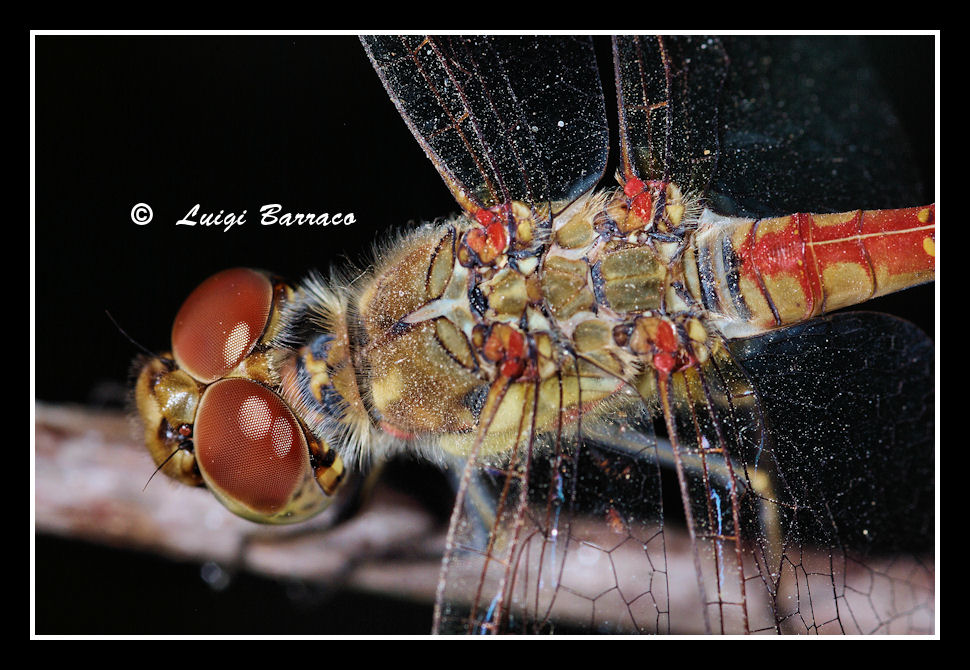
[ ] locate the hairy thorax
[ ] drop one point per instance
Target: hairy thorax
(569, 314)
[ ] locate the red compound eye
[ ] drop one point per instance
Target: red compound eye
(249, 446)
(220, 322)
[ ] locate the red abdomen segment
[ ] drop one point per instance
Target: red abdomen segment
(773, 272)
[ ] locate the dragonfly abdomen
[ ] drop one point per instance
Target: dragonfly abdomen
(772, 272)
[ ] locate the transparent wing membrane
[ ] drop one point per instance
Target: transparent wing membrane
(849, 404)
(502, 118)
(669, 90)
(806, 126)
(763, 126)
(577, 544)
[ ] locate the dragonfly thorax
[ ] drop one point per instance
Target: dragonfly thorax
(407, 358)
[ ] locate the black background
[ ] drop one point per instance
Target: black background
(233, 123)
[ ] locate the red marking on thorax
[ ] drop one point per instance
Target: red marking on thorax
(507, 347)
(491, 241)
(641, 196)
(642, 206)
(484, 216)
(666, 338)
(498, 236)
(633, 187)
(476, 240)
(512, 368)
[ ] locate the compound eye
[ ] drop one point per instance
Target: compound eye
(250, 448)
(220, 322)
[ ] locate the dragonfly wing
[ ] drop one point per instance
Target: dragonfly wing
(763, 126)
(668, 90)
(501, 118)
(565, 535)
(806, 126)
(805, 458)
(849, 404)
(715, 427)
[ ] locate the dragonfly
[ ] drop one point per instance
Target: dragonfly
(611, 372)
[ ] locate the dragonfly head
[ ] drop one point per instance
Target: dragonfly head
(211, 412)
